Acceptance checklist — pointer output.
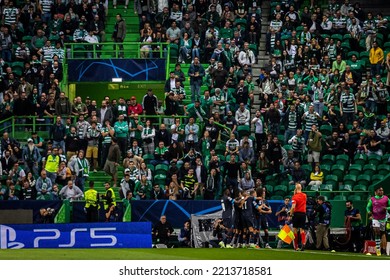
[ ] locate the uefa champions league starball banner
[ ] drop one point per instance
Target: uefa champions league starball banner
(103, 70)
(92, 235)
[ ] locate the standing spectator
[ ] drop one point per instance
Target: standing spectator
(191, 131)
(81, 170)
(119, 35)
(163, 135)
(348, 106)
(51, 164)
(274, 154)
(113, 160)
(148, 134)
(31, 157)
(196, 73)
(150, 103)
(121, 134)
(259, 130)
(376, 59)
(314, 145)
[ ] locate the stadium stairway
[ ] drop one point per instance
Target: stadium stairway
(132, 26)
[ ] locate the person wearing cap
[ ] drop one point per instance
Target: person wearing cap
(79, 34)
(134, 107)
(31, 157)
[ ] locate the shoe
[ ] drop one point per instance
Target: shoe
(378, 252)
(235, 246)
(221, 244)
(267, 246)
(94, 170)
(302, 248)
(228, 246)
(252, 246)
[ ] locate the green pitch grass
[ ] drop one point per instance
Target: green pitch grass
(178, 254)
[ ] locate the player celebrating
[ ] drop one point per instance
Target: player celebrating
(264, 209)
(227, 215)
(378, 206)
(298, 216)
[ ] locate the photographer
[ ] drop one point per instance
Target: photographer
(46, 216)
(218, 235)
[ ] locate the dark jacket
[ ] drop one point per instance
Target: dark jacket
(57, 132)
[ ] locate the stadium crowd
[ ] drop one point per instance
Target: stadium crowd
(314, 99)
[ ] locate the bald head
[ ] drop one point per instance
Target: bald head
(298, 188)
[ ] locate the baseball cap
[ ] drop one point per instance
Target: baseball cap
(133, 98)
(127, 170)
(61, 33)
(29, 140)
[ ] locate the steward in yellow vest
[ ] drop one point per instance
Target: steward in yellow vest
(91, 203)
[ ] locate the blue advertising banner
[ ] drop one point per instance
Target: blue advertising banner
(103, 70)
(93, 235)
(179, 211)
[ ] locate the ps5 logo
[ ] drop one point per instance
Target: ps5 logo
(8, 237)
(42, 238)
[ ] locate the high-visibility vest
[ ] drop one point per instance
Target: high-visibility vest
(52, 163)
(91, 198)
(112, 201)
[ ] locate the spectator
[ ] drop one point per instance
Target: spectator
(71, 192)
(316, 178)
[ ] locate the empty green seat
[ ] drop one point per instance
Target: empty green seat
(339, 171)
(377, 178)
(383, 169)
(350, 179)
(360, 159)
(355, 169)
(328, 159)
(364, 179)
(374, 159)
(280, 190)
(369, 169)
(343, 160)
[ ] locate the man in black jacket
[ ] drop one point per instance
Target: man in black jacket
(162, 231)
(58, 134)
(274, 154)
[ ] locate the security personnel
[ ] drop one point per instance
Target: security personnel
(109, 201)
(51, 164)
(92, 203)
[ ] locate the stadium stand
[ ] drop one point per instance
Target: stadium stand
(275, 84)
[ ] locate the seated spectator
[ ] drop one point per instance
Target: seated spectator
(298, 175)
(316, 178)
(185, 235)
(71, 192)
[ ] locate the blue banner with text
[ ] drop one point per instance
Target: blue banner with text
(103, 70)
(93, 235)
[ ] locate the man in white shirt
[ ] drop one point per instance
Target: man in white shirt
(246, 56)
(242, 115)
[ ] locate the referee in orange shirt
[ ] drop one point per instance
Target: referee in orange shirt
(298, 216)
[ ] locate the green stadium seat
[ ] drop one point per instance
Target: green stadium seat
(385, 157)
(350, 179)
(269, 188)
(147, 158)
(351, 53)
(383, 169)
(342, 160)
(243, 130)
(307, 168)
(339, 171)
(326, 168)
(161, 169)
(359, 188)
(377, 178)
(280, 190)
(337, 37)
(151, 167)
(369, 169)
(360, 159)
(271, 180)
(287, 147)
(276, 197)
(354, 197)
(326, 129)
(328, 159)
(345, 188)
(374, 159)
(220, 149)
(364, 179)
(340, 197)
(331, 180)
(355, 169)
